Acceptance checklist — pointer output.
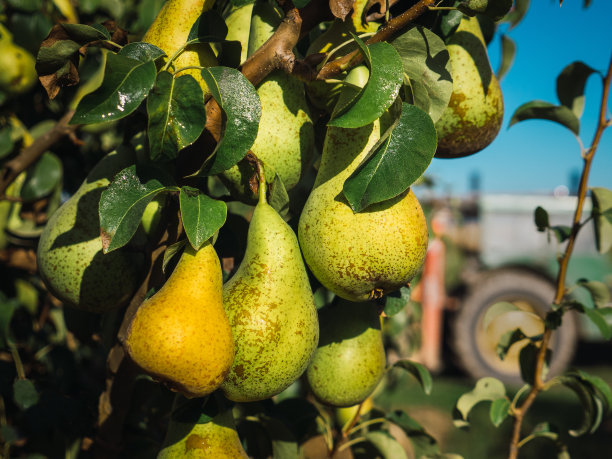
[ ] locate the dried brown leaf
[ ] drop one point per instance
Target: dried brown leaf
(341, 8)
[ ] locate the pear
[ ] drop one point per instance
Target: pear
(285, 139)
(350, 360)
(476, 107)
(70, 257)
(271, 309)
(359, 256)
(18, 73)
(181, 334)
(214, 437)
(170, 30)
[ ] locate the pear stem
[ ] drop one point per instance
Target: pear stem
(261, 178)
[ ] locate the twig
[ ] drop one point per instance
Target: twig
(519, 413)
(389, 30)
(32, 153)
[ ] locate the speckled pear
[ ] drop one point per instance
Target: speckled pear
(271, 309)
(181, 335)
(215, 439)
(359, 256)
(350, 360)
(476, 107)
(18, 73)
(170, 30)
(285, 139)
(70, 258)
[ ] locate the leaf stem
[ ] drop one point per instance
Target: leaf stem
(538, 385)
(365, 424)
(17, 361)
(190, 67)
(350, 443)
(261, 178)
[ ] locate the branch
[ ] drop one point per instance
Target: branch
(32, 153)
(386, 32)
(538, 384)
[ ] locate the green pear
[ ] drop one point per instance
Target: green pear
(18, 73)
(70, 257)
(181, 335)
(359, 256)
(285, 139)
(350, 360)
(476, 107)
(271, 309)
(170, 30)
(201, 434)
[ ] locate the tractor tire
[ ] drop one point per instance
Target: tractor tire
(475, 351)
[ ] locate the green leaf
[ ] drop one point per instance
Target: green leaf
(424, 444)
(599, 291)
(300, 3)
(396, 301)
(427, 63)
(277, 195)
(538, 109)
(499, 411)
(541, 218)
(210, 26)
(561, 232)
(417, 370)
(238, 3)
(194, 411)
(570, 86)
(386, 445)
(600, 321)
(396, 161)
(29, 6)
(24, 393)
(84, 34)
(508, 51)
(517, 13)
(7, 308)
(284, 444)
(141, 51)
(600, 388)
(381, 90)
(9, 434)
(42, 178)
(495, 310)
(202, 216)
(124, 201)
(486, 389)
(493, 9)
(527, 361)
(449, 21)
(602, 216)
(507, 340)
(126, 84)
(592, 407)
(176, 115)
(240, 103)
(6, 143)
(52, 58)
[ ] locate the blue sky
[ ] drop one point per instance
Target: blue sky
(537, 155)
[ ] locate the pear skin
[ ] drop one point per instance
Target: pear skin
(350, 360)
(170, 30)
(476, 107)
(359, 256)
(271, 309)
(215, 439)
(69, 255)
(18, 73)
(181, 334)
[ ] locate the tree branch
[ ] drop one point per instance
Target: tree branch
(32, 153)
(538, 384)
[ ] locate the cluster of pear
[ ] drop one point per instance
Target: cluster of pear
(256, 334)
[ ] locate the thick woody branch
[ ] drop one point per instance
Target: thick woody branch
(388, 31)
(32, 153)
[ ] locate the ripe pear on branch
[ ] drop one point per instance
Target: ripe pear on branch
(181, 335)
(476, 107)
(271, 309)
(170, 30)
(285, 139)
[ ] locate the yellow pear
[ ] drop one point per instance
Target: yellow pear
(476, 107)
(170, 30)
(191, 437)
(181, 334)
(18, 74)
(359, 256)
